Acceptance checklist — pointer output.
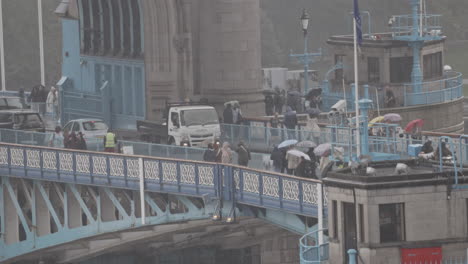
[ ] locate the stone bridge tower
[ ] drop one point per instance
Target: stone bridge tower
(185, 48)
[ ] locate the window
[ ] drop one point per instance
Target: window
(335, 219)
(432, 65)
(400, 69)
(76, 127)
(392, 222)
(68, 127)
(339, 72)
(94, 126)
(361, 223)
(373, 69)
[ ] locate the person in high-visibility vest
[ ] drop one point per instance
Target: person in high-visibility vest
(110, 140)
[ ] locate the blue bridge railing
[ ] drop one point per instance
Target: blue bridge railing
(248, 186)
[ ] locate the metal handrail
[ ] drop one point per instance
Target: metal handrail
(194, 178)
(316, 253)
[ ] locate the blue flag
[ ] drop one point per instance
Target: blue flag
(357, 17)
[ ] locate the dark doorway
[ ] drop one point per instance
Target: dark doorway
(350, 232)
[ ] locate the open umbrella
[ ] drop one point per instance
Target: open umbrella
(306, 144)
(322, 148)
(417, 123)
(287, 143)
(314, 92)
(313, 111)
(269, 92)
(378, 119)
(392, 117)
(294, 93)
(232, 103)
(298, 153)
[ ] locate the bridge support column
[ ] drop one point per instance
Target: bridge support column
(107, 207)
(11, 217)
(42, 213)
(73, 210)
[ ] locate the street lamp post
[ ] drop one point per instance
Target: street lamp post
(305, 24)
(306, 57)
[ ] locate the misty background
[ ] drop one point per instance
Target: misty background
(280, 25)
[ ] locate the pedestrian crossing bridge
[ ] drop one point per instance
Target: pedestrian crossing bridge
(54, 197)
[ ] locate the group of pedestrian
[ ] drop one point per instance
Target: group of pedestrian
(274, 102)
(224, 154)
(67, 139)
(284, 161)
(232, 113)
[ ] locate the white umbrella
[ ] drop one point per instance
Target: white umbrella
(287, 143)
(306, 144)
(298, 153)
(322, 148)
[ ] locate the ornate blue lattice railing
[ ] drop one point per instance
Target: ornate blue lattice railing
(248, 186)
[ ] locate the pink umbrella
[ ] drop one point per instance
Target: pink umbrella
(418, 123)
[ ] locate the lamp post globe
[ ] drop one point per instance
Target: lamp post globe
(305, 21)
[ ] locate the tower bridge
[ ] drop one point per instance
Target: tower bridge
(66, 205)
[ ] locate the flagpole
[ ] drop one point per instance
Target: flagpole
(2, 49)
(356, 92)
(41, 41)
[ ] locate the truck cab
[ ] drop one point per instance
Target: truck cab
(184, 125)
(193, 125)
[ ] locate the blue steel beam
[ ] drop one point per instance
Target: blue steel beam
(49, 205)
(83, 206)
(19, 211)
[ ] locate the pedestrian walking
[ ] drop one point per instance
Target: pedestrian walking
(269, 105)
(237, 115)
(73, 141)
(277, 157)
(274, 128)
(228, 114)
(52, 102)
(110, 141)
(290, 121)
(226, 153)
(57, 138)
(292, 162)
(243, 154)
(81, 142)
(313, 128)
(279, 99)
(209, 154)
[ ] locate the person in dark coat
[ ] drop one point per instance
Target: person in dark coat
(277, 158)
(311, 155)
(81, 144)
(209, 154)
(290, 121)
(73, 141)
(269, 105)
(243, 154)
(390, 100)
(279, 100)
(306, 169)
(227, 115)
(34, 96)
(445, 151)
(427, 147)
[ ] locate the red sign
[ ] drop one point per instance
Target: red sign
(421, 255)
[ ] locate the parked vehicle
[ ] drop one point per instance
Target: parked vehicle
(11, 103)
(91, 128)
(22, 119)
(185, 124)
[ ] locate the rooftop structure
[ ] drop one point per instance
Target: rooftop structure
(408, 62)
(414, 208)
